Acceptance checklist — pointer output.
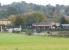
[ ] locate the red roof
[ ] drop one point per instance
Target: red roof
(42, 24)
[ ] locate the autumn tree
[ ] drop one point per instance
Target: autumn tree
(12, 18)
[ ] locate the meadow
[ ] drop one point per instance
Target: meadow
(12, 41)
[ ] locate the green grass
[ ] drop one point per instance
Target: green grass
(9, 41)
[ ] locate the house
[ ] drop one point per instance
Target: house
(4, 23)
(65, 26)
(43, 26)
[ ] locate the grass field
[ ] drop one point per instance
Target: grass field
(9, 41)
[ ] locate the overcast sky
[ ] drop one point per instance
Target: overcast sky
(41, 2)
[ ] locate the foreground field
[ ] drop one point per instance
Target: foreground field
(9, 41)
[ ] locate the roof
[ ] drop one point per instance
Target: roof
(43, 24)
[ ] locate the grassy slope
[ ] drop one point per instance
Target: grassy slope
(9, 41)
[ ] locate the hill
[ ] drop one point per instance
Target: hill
(23, 7)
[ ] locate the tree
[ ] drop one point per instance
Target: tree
(19, 20)
(12, 18)
(67, 11)
(26, 20)
(34, 18)
(67, 19)
(38, 17)
(12, 11)
(63, 20)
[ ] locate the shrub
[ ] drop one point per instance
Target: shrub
(63, 33)
(16, 31)
(29, 31)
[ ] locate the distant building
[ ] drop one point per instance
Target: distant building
(45, 26)
(4, 23)
(65, 26)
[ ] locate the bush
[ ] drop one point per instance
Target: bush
(16, 31)
(63, 33)
(29, 31)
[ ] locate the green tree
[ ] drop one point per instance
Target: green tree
(27, 19)
(16, 20)
(19, 20)
(38, 17)
(34, 18)
(12, 11)
(63, 20)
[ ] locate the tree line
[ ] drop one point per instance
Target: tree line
(27, 19)
(28, 13)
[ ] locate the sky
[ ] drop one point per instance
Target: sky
(40, 2)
